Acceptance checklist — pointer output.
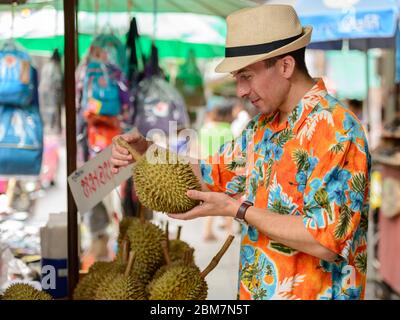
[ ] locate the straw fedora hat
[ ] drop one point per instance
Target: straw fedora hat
(262, 32)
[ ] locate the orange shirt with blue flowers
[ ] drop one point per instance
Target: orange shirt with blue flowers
(315, 165)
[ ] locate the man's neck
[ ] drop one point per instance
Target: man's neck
(299, 87)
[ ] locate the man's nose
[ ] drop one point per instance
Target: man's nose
(242, 90)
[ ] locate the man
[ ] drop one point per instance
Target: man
(307, 169)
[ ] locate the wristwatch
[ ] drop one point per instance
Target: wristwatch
(242, 211)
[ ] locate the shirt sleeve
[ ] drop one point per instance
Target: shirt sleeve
(225, 170)
(336, 196)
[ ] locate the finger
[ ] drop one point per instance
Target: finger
(196, 212)
(119, 163)
(121, 156)
(132, 136)
(114, 170)
(197, 195)
(120, 149)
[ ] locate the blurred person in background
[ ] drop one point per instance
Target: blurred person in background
(50, 93)
(215, 132)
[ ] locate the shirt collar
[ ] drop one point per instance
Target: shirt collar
(300, 112)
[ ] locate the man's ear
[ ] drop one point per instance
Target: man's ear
(287, 66)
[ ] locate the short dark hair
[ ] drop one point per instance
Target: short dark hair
(298, 56)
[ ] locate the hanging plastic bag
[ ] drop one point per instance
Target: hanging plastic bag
(101, 130)
(101, 90)
(21, 141)
(16, 76)
(158, 103)
(21, 136)
(189, 82)
(114, 49)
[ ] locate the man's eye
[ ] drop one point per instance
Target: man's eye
(245, 77)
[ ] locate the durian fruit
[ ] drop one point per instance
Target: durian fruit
(22, 291)
(87, 286)
(121, 286)
(185, 282)
(145, 240)
(187, 259)
(162, 186)
(177, 247)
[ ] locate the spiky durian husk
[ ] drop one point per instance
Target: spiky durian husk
(177, 249)
(22, 291)
(120, 287)
(179, 283)
(87, 287)
(101, 266)
(145, 240)
(160, 272)
(163, 186)
(123, 228)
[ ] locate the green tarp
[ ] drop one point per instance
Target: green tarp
(167, 48)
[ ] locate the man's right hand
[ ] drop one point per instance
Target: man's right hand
(120, 156)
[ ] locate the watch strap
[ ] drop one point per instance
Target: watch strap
(242, 210)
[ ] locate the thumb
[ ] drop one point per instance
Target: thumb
(197, 195)
(132, 137)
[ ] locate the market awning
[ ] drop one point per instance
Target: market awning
(175, 29)
(208, 7)
(176, 32)
(334, 20)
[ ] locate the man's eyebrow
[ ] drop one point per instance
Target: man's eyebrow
(234, 73)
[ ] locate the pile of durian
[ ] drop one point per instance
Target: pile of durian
(148, 266)
(23, 291)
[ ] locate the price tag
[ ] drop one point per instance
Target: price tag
(94, 180)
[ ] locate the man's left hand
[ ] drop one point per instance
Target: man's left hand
(212, 204)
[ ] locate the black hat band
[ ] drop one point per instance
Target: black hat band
(258, 48)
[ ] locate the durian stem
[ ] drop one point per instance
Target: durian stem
(178, 235)
(214, 262)
(165, 248)
(188, 256)
(141, 213)
(167, 230)
(125, 250)
(167, 234)
(124, 144)
(130, 263)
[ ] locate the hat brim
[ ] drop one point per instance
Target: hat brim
(236, 63)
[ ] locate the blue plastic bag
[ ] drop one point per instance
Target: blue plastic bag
(16, 78)
(101, 91)
(21, 141)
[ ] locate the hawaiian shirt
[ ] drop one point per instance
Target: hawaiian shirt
(315, 165)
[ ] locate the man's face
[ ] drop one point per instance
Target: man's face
(266, 88)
